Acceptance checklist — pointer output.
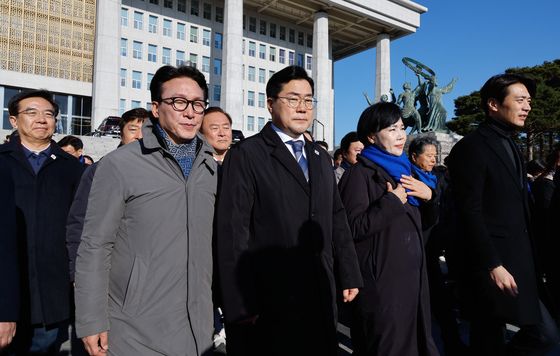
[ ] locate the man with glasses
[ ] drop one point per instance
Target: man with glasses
(283, 238)
(45, 179)
(144, 266)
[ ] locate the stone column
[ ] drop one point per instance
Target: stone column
(323, 126)
(232, 62)
(382, 66)
(106, 61)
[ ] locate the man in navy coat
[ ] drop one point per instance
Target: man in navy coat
(45, 179)
(285, 252)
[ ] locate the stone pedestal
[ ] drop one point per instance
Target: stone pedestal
(445, 141)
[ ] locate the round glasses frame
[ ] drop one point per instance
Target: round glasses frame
(294, 102)
(181, 104)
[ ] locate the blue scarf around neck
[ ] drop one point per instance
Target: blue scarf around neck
(396, 166)
(184, 154)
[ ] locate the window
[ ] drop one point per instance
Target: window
(137, 50)
(292, 36)
(308, 62)
(138, 20)
(194, 34)
(282, 56)
(260, 123)
(135, 104)
(282, 33)
(167, 27)
(124, 17)
(180, 58)
(217, 66)
(250, 123)
(180, 31)
(300, 60)
(261, 100)
(300, 39)
(309, 40)
(136, 79)
(149, 78)
(194, 60)
(182, 5)
(218, 39)
(252, 24)
(219, 14)
(251, 74)
(206, 64)
(270, 73)
(262, 27)
(244, 21)
(206, 37)
(207, 11)
(124, 45)
(194, 7)
(262, 73)
(262, 51)
(252, 48)
(123, 77)
(251, 98)
(272, 54)
(149, 106)
(291, 57)
(168, 4)
(166, 56)
(217, 92)
(156, 2)
(152, 53)
(243, 47)
(273, 30)
(152, 24)
(122, 106)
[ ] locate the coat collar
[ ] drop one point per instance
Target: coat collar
(281, 153)
(380, 174)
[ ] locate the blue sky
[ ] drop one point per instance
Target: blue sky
(471, 40)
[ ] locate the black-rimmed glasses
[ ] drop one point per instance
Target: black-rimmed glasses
(181, 104)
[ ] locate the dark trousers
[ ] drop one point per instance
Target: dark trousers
(35, 340)
(488, 337)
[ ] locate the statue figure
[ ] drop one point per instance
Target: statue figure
(410, 115)
(437, 113)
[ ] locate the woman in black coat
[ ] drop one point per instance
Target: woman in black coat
(391, 315)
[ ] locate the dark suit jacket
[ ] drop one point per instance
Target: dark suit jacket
(493, 212)
(282, 241)
(42, 203)
(9, 293)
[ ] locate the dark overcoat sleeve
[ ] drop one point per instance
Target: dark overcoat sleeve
(234, 231)
(9, 293)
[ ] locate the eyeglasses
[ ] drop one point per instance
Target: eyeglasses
(294, 101)
(33, 113)
(181, 104)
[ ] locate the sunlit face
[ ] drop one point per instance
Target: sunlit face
(35, 122)
(427, 159)
(353, 151)
(515, 107)
(292, 121)
(72, 151)
(180, 126)
(390, 139)
(132, 131)
(217, 130)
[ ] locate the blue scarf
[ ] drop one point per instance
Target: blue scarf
(396, 166)
(184, 154)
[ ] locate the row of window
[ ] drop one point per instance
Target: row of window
(251, 123)
(181, 6)
(251, 99)
(272, 51)
(277, 31)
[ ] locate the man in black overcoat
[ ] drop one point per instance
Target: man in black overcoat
(489, 183)
(285, 251)
(45, 179)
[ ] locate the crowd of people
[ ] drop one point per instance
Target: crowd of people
(178, 243)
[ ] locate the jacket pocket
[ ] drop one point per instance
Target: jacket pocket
(136, 280)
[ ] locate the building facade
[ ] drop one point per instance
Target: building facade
(237, 44)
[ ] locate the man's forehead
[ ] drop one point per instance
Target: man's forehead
(35, 101)
(297, 87)
(215, 118)
(182, 87)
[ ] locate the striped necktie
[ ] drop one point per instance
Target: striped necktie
(297, 146)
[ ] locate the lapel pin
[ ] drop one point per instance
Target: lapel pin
(317, 152)
(53, 156)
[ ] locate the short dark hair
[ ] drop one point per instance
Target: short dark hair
(418, 145)
(212, 109)
(286, 75)
(497, 88)
(166, 73)
(375, 118)
(70, 140)
(347, 140)
(337, 152)
(133, 114)
(13, 105)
